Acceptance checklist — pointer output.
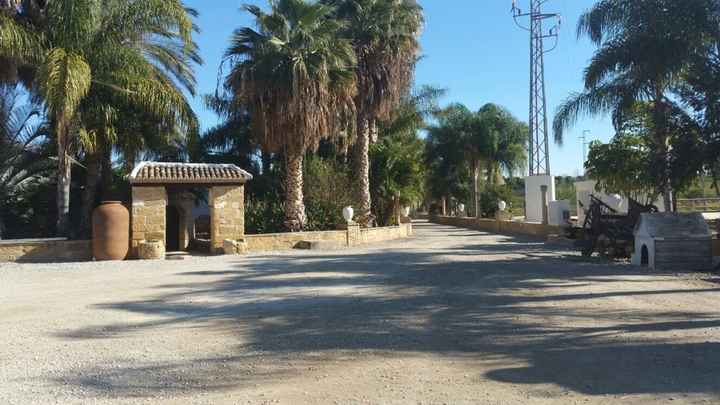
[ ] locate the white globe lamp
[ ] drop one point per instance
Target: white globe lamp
(406, 212)
(502, 205)
(348, 213)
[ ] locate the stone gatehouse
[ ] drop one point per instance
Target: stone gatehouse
(163, 198)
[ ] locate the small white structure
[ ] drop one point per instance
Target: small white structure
(559, 213)
(670, 241)
(534, 197)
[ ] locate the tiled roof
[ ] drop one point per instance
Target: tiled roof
(188, 173)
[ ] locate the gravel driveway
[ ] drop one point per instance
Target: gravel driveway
(450, 316)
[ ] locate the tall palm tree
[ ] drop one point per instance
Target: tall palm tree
(24, 148)
(643, 47)
(139, 50)
(294, 76)
(384, 35)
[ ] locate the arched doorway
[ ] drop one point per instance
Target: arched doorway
(172, 233)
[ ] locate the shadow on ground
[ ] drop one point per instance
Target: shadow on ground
(505, 302)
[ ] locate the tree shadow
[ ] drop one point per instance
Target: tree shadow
(512, 300)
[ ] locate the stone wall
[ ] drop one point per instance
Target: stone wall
(285, 241)
(353, 236)
(148, 215)
(501, 227)
(227, 215)
(45, 250)
(375, 235)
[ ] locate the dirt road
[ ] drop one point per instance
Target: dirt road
(450, 316)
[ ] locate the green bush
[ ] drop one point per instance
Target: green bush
(490, 197)
(264, 217)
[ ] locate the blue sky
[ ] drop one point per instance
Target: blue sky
(470, 47)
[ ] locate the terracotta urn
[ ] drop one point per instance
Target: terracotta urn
(111, 231)
(151, 250)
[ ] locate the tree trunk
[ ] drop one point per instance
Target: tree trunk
(444, 206)
(266, 160)
(2, 225)
(63, 179)
(89, 194)
(663, 149)
(362, 162)
(476, 194)
(106, 176)
(295, 218)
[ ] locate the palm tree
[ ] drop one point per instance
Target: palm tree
(506, 139)
(294, 76)
(384, 36)
(139, 51)
(454, 146)
(24, 148)
(644, 46)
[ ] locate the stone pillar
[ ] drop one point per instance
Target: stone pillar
(354, 236)
(227, 215)
(148, 215)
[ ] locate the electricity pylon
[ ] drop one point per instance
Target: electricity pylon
(538, 148)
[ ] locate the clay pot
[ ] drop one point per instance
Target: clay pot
(111, 231)
(151, 250)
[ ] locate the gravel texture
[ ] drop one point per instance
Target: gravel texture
(450, 316)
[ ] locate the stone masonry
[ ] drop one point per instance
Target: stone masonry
(227, 215)
(148, 215)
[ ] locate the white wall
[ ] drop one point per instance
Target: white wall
(533, 196)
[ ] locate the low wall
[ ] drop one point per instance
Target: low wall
(501, 227)
(45, 250)
(284, 241)
(342, 238)
(63, 250)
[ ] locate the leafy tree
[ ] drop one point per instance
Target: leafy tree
(74, 48)
(490, 139)
(643, 48)
(445, 156)
(398, 173)
(627, 165)
(506, 142)
(24, 148)
(294, 76)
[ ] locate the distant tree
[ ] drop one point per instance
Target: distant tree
(398, 173)
(627, 164)
(506, 142)
(489, 140)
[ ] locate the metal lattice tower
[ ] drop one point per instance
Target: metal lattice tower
(538, 148)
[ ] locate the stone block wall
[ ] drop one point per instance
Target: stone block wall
(352, 236)
(45, 250)
(500, 227)
(227, 215)
(148, 215)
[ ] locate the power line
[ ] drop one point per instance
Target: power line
(538, 148)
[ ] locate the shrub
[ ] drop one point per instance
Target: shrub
(490, 197)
